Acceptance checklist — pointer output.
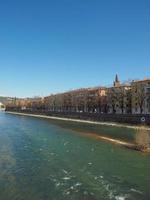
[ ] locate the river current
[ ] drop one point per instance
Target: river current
(52, 160)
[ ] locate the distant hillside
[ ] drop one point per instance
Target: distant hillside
(5, 99)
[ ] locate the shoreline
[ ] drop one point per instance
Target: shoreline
(125, 144)
(81, 121)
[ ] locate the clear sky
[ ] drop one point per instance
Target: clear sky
(52, 46)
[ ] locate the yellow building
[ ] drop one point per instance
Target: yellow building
(80, 100)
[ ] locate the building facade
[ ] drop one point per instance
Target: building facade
(81, 100)
(119, 98)
(127, 98)
(141, 96)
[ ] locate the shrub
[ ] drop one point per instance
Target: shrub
(142, 139)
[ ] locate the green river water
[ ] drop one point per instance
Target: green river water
(49, 160)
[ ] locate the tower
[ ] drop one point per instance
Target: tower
(116, 82)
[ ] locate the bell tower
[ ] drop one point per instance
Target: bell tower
(116, 82)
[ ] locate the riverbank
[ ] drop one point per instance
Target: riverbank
(127, 119)
(81, 120)
(108, 139)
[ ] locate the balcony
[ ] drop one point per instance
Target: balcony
(147, 86)
(148, 91)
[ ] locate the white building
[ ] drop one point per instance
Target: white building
(2, 106)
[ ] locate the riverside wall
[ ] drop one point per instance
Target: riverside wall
(117, 118)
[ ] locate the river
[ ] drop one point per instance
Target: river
(51, 160)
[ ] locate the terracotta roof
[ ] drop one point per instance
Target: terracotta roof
(144, 80)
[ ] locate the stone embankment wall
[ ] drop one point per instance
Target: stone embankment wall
(120, 118)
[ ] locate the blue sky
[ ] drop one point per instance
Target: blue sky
(52, 46)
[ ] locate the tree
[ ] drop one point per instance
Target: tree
(120, 97)
(142, 138)
(139, 89)
(111, 99)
